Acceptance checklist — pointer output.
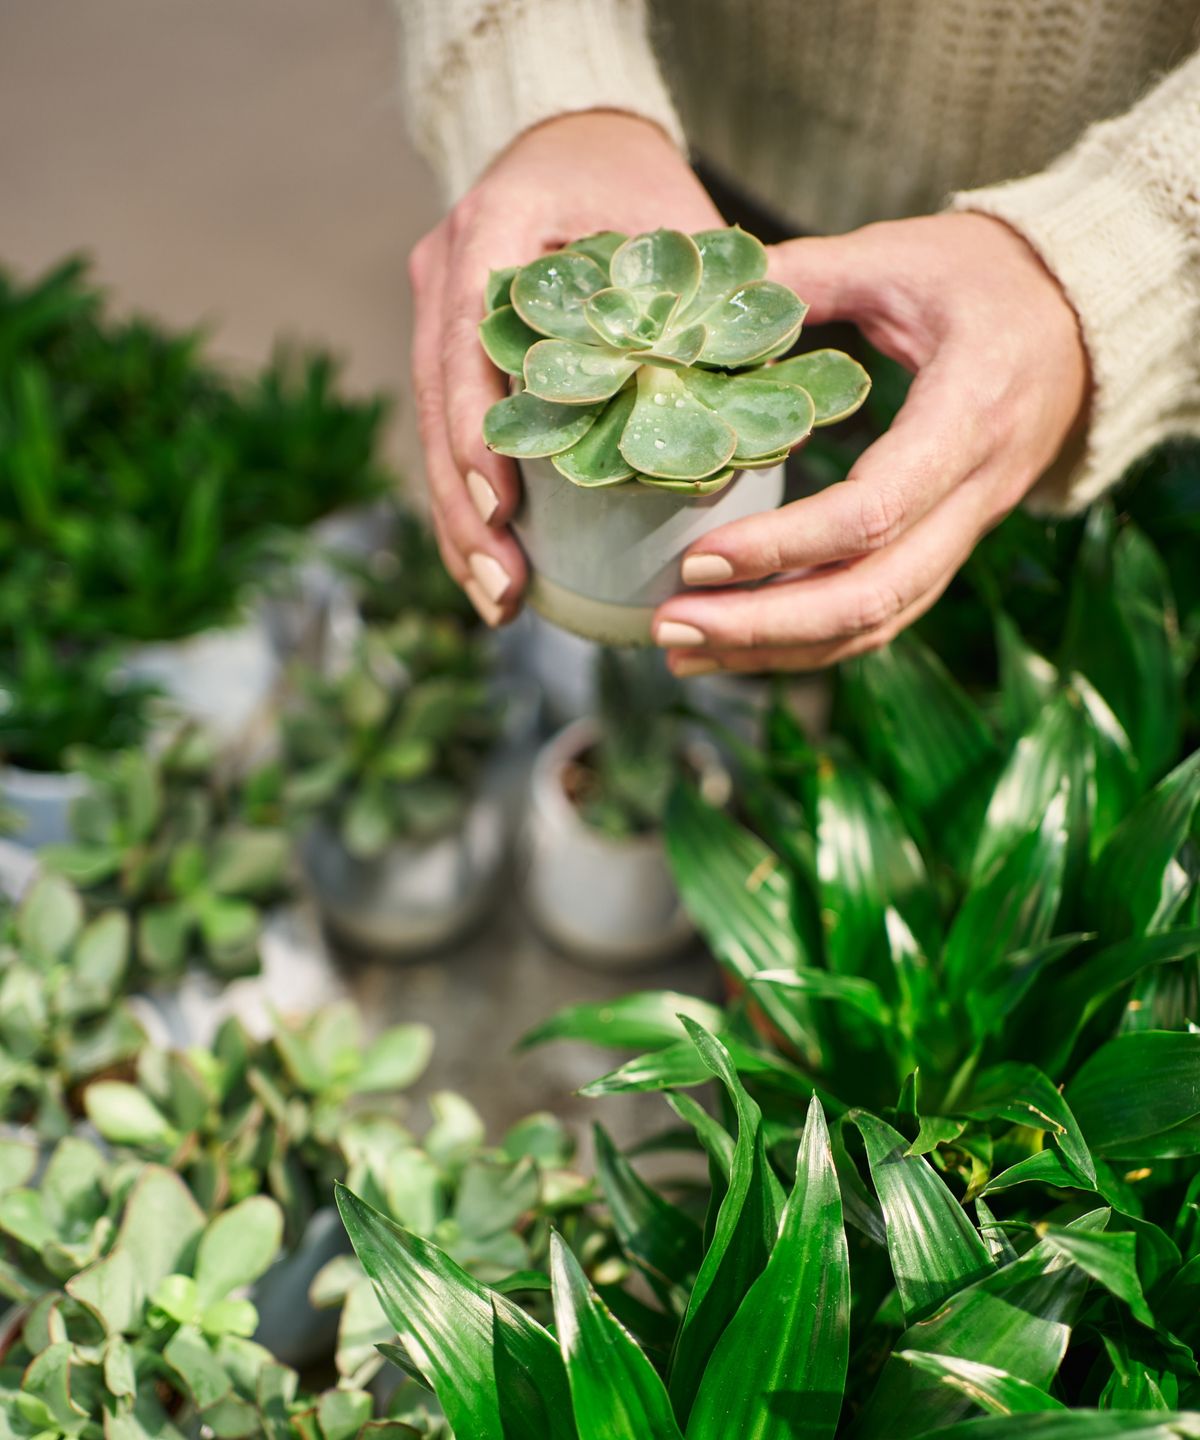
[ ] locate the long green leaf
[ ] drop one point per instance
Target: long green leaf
(934, 1248)
(679, 1066)
(1024, 1095)
(995, 1391)
(925, 739)
(1017, 1319)
(447, 1322)
(644, 1020)
(614, 1388)
(779, 1370)
(1138, 1097)
(745, 1231)
(660, 1238)
(1138, 885)
(740, 897)
(1011, 907)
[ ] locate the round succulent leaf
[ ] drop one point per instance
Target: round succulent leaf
(549, 294)
(750, 321)
(837, 384)
(525, 427)
(730, 258)
(711, 486)
(506, 337)
(767, 415)
(677, 348)
(615, 315)
(764, 462)
(598, 247)
(670, 435)
(499, 283)
(596, 460)
(574, 374)
(660, 260)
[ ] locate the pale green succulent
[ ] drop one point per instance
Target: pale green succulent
(643, 359)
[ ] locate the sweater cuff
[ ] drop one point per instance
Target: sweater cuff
(478, 75)
(1108, 232)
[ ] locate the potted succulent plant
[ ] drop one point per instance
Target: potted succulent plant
(388, 768)
(596, 879)
(639, 375)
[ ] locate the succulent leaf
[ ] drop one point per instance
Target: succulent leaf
(730, 258)
(678, 348)
(616, 316)
(596, 460)
(506, 337)
(766, 415)
(572, 374)
(751, 321)
(661, 260)
(690, 446)
(524, 426)
(837, 384)
(499, 283)
(598, 247)
(708, 486)
(549, 294)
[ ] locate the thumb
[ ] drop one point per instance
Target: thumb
(825, 271)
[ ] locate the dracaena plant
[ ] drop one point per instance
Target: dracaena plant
(848, 1292)
(63, 1019)
(163, 836)
(286, 1116)
(391, 747)
(644, 359)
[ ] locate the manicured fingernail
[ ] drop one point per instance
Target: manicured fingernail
(483, 497)
(694, 665)
(674, 634)
(489, 612)
(492, 577)
(706, 570)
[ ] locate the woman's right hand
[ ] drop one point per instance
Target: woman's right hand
(565, 178)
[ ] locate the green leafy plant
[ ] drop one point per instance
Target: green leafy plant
(644, 359)
(285, 1116)
(848, 1294)
(163, 837)
(62, 1017)
(392, 747)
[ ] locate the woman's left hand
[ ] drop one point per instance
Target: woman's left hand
(1001, 381)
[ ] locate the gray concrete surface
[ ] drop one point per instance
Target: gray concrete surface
(243, 162)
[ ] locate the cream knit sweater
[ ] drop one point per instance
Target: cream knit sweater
(1075, 121)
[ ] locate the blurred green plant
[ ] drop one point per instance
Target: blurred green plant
(165, 837)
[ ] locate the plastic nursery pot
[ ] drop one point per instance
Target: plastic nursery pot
(602, 560)
(609, 903)
(42, 800)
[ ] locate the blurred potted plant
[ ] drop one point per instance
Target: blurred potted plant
(168, 838)
(387, 766)
(596, 880)
(642, 414)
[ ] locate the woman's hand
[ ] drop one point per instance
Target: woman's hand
(600, 170)
(1001, 381)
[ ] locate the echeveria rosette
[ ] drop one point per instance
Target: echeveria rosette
(648, 359)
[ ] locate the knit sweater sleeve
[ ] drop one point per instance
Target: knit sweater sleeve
(1117, 221)
(479, 72)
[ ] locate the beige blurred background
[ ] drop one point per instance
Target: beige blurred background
(237, 162)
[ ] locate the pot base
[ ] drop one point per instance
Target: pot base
(601, 620)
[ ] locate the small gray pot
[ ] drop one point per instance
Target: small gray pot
(601, 561)
(42, 800)
(609, 903)
(289, 1325)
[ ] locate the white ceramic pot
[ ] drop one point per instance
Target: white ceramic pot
(417, 895)
(609, 903)
(43, 800)
(601, 561)
(289, 1325)
(222, 678)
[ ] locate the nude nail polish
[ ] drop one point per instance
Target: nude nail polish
(491, 577)
(674, 634)
(706, 570)
(483, 497)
